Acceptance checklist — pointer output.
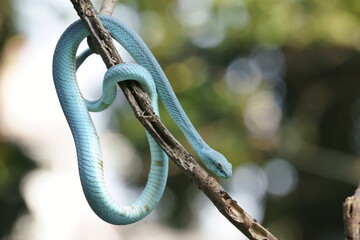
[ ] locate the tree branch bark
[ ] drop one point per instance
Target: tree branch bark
(351, 212)
(140, 104)
(108, 7)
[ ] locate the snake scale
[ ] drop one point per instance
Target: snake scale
(76, 109)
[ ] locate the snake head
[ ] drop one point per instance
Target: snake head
(216, 162)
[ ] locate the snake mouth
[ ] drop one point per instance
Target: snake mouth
(216, 162)
(222, 172)
(220, 168)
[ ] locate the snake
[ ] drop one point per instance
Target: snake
(147, 71)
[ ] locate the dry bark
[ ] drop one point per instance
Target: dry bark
(352, 216)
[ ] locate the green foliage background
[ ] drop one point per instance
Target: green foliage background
(13, 163)
(319, 42)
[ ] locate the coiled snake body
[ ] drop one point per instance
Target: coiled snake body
(76, 109)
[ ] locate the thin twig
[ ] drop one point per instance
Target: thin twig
(140, 103)
(108, 7)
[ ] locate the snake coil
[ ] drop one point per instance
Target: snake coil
(76, 109)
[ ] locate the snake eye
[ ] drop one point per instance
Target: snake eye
(219, 166)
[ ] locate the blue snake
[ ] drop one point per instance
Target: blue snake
(76, 109)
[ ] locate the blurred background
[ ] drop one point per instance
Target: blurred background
(273, 85)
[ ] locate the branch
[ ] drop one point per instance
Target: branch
(107, 7)
(352, 216)
(140, 104)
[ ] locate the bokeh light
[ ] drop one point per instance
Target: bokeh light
(282, 177)
(273, 86)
